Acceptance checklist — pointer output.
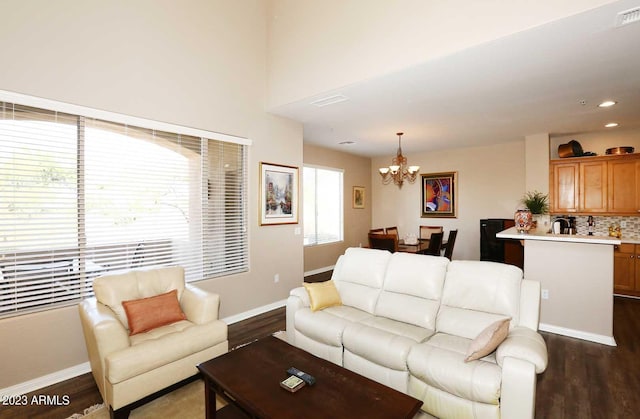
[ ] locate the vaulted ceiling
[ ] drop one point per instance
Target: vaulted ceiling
(548, 79)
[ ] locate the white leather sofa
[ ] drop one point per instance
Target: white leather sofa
(407, 321)
(129, 368)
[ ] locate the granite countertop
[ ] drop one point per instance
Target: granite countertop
(512, 233)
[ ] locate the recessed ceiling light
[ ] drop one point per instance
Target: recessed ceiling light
(346, 142)
(607, 103)
(611, 124)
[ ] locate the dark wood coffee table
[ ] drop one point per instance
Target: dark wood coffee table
(249, 379)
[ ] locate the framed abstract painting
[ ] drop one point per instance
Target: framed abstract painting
(278, 194)
(439, 194)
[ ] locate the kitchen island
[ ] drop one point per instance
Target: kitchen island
(576, 277)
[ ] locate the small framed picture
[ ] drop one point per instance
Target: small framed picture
(278, 194)
(358, 197)
(439, 193)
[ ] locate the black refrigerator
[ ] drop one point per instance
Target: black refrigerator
(509, 251)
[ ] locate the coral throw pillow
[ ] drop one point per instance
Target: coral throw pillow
(323, 295)
(488, 340)
(148, 313)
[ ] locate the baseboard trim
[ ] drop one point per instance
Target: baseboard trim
(579, 334)
(254, 312)
(319, 270)
(46, 380)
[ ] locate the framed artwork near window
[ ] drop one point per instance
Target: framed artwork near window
(278, 194)
(358, 197)
(439, 195)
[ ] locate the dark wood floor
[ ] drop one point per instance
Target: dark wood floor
(583, 380)
(589, 380)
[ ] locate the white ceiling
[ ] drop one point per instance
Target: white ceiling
(528, 83)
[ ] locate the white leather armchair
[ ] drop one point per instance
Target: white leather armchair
(130, 368)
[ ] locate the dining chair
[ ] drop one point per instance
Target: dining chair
(427, 231)
(376, 231)
(383, 241)
(451, 241)
(392, 230)
(435, 243)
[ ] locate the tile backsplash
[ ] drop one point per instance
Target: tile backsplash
(602, 223)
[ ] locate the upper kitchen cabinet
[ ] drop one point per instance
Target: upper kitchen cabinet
(564, 186)
(578, 187)
(596, 185)
(593, 187)
(623, 193)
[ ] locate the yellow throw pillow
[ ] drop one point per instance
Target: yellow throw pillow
(322, 295)
(488, 340)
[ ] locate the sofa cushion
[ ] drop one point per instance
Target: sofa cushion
(412, 289)
(378, 346)
(326, 326)
(477, 294)
(488, 340)
(359, 275)
(415, 333)
(322, 295)
(162, 346)
(439, 362)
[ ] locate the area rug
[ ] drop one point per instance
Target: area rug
(185, 402)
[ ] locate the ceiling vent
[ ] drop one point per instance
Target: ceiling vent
(628, 16)
(329, 100)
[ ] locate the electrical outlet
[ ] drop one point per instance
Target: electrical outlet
(623, 224)
(545, 294)
(276, 278)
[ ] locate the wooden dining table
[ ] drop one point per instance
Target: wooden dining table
(421, 246)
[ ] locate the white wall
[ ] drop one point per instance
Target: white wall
(200, 63)
(491, 181)
(319, 45)
(537, 163)
(599, 142)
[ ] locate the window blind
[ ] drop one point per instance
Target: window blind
(80, 197)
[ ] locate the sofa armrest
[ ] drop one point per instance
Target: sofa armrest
(526, 345)
(301, 294)
(518, 390)
(198, 305)
(103, 335)
(298, 299)
(529, 304)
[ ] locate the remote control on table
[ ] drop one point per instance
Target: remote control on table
(309, 379)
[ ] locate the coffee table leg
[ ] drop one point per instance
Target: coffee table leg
(209, 400)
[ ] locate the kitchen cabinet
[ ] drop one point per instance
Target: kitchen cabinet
(564, 187)
(624, 194)
(579, 187)
(626, 269)
(607, 185)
